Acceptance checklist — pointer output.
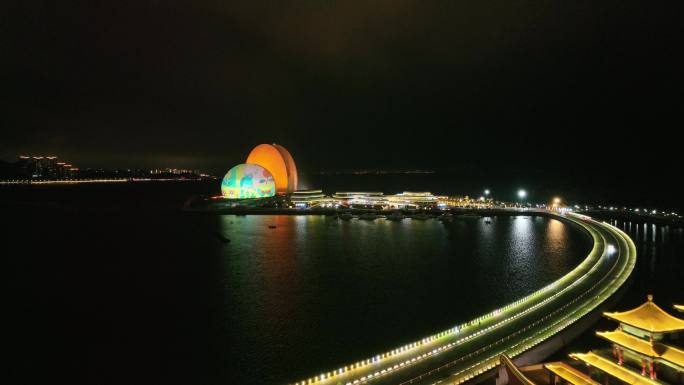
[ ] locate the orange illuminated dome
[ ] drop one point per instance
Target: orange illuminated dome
(276, 159)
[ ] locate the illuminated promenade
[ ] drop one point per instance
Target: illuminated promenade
(465, 351)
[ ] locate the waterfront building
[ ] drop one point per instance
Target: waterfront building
(378, 200)
(50, 167)
(464, 202)
(38, 166)
(409, 199)
(269, 170)
(360, 198)
(61, 170)
(248, 181)
(24, 165)
(278, 161)
(310, 198)
(69, 171)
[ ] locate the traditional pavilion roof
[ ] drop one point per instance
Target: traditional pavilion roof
(679, 307)
(650, 317)
(644, 347)
(570, 374)
(620, 372)
(514, 370)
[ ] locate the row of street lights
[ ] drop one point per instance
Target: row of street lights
(522, 194)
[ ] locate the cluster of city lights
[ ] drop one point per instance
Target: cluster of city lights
(568, 278)
(343, 199)
(641, 211)
(64, 181)
(80, 181)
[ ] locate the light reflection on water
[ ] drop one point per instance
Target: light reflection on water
(659, 262)
(314, 282)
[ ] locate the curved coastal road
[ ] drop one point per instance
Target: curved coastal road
(457, 355)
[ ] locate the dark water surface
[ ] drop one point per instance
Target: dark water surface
(133, 296)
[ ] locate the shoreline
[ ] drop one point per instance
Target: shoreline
(189, 207)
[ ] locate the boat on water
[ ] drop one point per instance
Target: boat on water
(395, 216)
(446, 217)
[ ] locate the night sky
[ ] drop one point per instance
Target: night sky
(577, 92)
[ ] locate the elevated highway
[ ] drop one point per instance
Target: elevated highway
(466, 351)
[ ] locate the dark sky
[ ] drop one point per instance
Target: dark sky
(569, 87)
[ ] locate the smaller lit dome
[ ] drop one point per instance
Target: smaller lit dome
(248, 181)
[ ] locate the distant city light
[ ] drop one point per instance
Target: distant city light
(486, 191)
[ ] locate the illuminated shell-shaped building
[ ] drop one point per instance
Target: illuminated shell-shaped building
(248, 181)
(276, 159)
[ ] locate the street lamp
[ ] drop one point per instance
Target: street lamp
(522, 194)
